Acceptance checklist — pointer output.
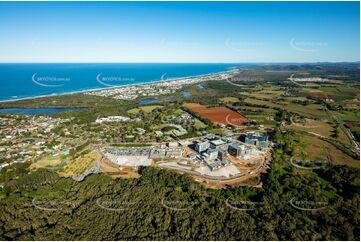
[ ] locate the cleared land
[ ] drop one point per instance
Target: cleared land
(80, 164)
(116, 171)
(48, 161)
(218, 115)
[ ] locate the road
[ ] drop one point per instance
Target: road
(213, 178)
(348, 131)
(301, 85)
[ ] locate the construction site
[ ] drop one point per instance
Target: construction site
(212, 160)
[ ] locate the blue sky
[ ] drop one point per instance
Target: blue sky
(179, 31)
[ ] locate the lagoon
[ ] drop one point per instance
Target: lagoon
(187, 94)
(155, 100)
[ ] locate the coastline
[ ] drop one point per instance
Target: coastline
(114, 87)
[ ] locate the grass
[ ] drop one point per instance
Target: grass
(315, 126)
(340, 93)
(293, 99)
(310, 111)
(317, 149)
(229, 99)
(325, 129)
(48, 161)
(266, 93)
(343, 137)
(146, 109)
(199, 124)
(353, 116)
(253, 101)
(337, 93)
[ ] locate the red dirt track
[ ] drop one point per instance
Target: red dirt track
(218, 115)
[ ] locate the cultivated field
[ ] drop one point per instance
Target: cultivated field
(218, 115)
(80, 164)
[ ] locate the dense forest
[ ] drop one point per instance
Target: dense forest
(294, 204)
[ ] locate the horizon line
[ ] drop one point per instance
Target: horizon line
(251, 62)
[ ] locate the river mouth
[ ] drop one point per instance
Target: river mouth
(33, 111)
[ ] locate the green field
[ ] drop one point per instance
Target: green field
(311, 111)
(353, 116)
(199, 124)
(317, 149)
(146, 109)
(340, 93)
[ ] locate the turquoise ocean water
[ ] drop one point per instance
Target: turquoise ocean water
(32, 80)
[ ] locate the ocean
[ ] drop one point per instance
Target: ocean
(33, 80)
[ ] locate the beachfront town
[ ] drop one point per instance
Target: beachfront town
(157, 88)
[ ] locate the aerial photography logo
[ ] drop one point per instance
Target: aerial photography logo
(114, 205)
(49, 81)
(243, 80)
(178, 205)
(308, 205)
(308, 164)
(243, 46)
(113, 81)
(243, 205)
(295, 122)
(307, 46)
(163, 77)
(52, 205)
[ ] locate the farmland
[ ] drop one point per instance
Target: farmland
(218, 115)
(317, 149)
(80, 164)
